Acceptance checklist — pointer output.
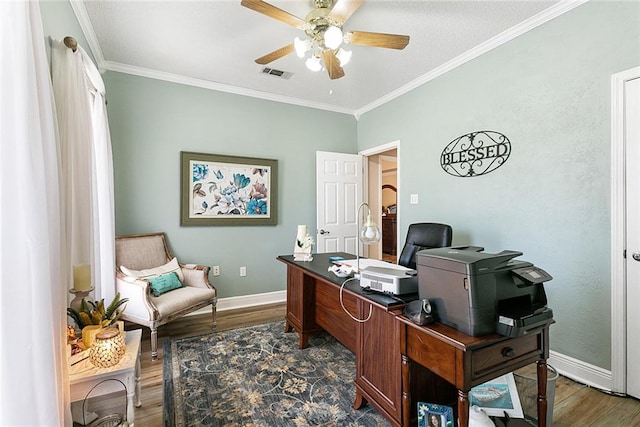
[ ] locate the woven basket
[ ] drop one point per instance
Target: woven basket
(110, 420)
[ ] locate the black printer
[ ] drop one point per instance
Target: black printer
(480, 293)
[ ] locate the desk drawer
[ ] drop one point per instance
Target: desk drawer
(497, 355)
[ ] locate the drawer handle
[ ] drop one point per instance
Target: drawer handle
(508, 352)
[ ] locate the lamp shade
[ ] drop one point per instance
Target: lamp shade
(333, 37)
(344, 56)
(369, 232)
(313, 63)
(301, 46)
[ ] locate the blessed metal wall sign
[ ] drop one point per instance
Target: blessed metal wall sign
(475, 154)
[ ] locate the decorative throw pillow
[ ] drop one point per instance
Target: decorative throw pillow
(156, 271)
(164, 283)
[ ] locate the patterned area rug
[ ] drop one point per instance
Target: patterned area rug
(257, 376)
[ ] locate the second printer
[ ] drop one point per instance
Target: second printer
(480, 293)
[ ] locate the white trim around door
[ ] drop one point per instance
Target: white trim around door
(618, 281)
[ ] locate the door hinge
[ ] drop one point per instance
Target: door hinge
(624, 253)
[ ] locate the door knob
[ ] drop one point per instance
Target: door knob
(636, 256)
(323, 232)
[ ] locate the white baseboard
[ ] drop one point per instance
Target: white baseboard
(580, 371)
(245, 301)
(251, 300)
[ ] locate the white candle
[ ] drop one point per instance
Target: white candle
(81, 277)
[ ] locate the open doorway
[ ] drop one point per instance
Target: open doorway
(381, 195)
(389, 208)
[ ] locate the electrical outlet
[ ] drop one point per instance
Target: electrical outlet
(413, 200)
(216, 270)
(243, 271)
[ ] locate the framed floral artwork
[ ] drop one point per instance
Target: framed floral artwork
(228, 190)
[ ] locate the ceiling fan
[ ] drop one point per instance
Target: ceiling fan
(323, 27)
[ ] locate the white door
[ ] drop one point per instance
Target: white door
(632, 145)
(339, 193)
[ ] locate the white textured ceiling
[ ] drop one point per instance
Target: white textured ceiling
(214, 44)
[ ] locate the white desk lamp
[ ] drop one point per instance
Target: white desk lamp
(368, 234)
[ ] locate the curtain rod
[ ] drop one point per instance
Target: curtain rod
(71, 43)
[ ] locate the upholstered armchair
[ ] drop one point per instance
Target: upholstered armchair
(145, 274)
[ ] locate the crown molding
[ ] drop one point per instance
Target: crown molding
(546, 15)
(87, 29)
(205, 84)
(508, 35)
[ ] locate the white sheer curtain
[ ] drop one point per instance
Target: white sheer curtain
(86, 163)
(74, 124)
(103, 212)
(33, 267)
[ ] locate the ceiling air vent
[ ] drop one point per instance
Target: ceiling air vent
(276, 73)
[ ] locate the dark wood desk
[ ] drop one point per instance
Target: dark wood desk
(392, 352)
(313, 304)
(466, 361)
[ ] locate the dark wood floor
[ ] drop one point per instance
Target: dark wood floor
(390, 258)
(575, 404)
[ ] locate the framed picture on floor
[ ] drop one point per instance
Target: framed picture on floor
(228, 190)
(498, 396)
(432, 415)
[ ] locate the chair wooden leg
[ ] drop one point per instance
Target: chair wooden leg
(154, 343)
(213, 315)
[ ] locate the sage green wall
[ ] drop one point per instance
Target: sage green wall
(549, 92)
(151, 121)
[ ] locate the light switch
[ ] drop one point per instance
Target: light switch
(414, 199)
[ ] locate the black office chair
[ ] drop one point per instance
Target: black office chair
(424, 235)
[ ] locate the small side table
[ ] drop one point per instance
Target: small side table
(83, 376)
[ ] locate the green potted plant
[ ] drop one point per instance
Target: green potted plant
(93, 316)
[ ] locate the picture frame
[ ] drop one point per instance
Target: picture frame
(433, 415)
(498, 396)
(228, 190)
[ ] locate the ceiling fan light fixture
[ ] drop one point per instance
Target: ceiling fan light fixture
(332, 37)
(344, 56)
(323, 28)
(301, 46)
(313, 63)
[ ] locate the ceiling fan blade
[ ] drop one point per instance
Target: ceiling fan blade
(273, 12)
(343, 9)
(390, 41)
(332, 63)
(276, 54)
